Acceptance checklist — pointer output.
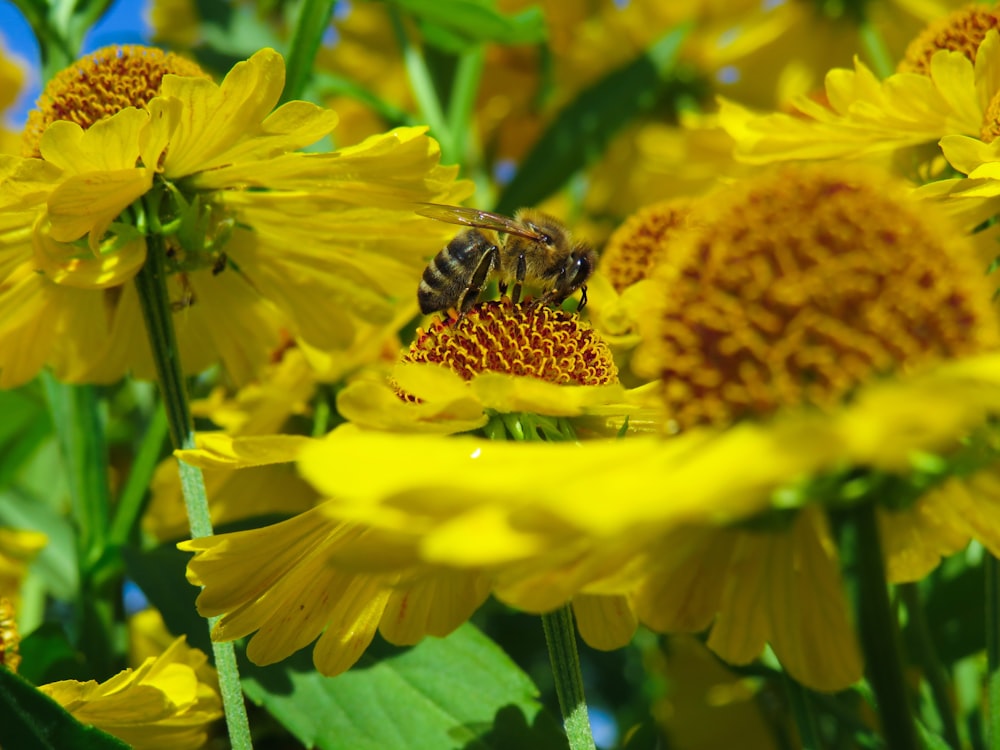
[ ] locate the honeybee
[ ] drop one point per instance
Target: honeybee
(530, 248)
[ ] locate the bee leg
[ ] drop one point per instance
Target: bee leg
(583, 298)
(489, 261)
(502, 287)
(522, 271)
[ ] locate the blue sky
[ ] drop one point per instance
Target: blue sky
(123, 24)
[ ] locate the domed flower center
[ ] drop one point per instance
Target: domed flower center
(803, 284)
(101, 84)
(637, 245)
(962, 31)
(523, 339)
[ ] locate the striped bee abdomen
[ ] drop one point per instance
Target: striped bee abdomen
(455, 277)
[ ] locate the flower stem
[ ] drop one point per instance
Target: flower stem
(560, 637)
(151, 284)
(934, 671)
(422, 84)
(313, 21)
(878, 629)
(993, 651)
(877, 51)
(805, 717)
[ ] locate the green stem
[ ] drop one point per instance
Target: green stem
(130, 502)
(993, 651)
(313, 21)
(462, 102)
(422, 85)
(877, 52)
(560, 637)
(151, 284)
(934, 671)
(805, 717)
(878, 629)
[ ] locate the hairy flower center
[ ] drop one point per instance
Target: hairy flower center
(962, 31)
(803, 284)
(101, 84)
(522, 339)
(637, 245)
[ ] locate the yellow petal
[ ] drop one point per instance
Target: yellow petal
(435, 604)
(604, 622)
(218, 450)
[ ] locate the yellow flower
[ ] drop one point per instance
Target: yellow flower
(159, 705)
(259, 237)
(862, 116)
(795, 333)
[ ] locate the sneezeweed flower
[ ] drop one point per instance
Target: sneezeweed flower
(499, 357)
(256, 235)
(510, 356)
(815, 290)
(794, 333)
(945, 88)
(159, 705)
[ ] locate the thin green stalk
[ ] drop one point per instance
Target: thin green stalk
(130, 502)
(422, 85)
(560, 637)
(993, 651)
(805, 717)
(312, 22)
(934, 671)
(151, 284)
(878, 629)
(462, 102)
(878, 54)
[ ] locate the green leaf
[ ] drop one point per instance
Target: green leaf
(583, 128)
(954, 610)
(24, 426)
(313, 21)
(475, 21)
(457, 692)
(48, 656)
(30, 719)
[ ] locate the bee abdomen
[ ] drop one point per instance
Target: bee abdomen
(446, 277)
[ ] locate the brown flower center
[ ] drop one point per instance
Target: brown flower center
(523, 339)
(801, 285)
(101, 84)
(638, 244)
(962, 31)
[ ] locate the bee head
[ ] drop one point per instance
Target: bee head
(582, 262)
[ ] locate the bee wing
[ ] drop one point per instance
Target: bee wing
(473, 217)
